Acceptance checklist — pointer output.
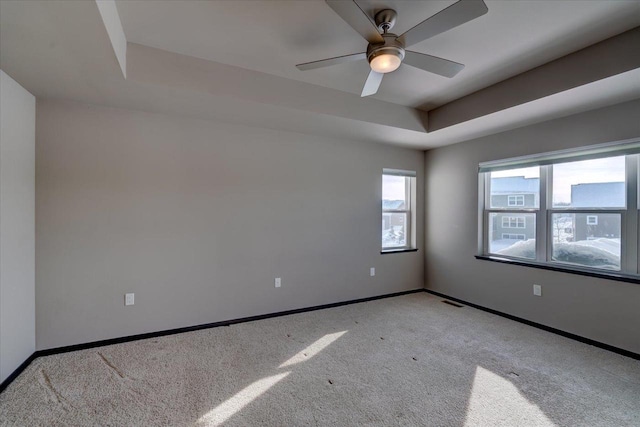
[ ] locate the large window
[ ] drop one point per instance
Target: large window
(398, 211)
(574, 209)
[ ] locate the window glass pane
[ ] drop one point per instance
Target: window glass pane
(587, 239)
(598, 183)
(515, 188)
(394, 192)
(394, 229)
(512, 234)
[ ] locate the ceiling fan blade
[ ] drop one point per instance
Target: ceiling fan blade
(454, 15)
(359, 21)
(432, 64)
(331, 61)
(372, 84)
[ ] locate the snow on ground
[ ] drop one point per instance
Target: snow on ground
(520, 249)
(609, 245)
(599, 253)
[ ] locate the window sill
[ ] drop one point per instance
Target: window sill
(395, 251)
(620, 277)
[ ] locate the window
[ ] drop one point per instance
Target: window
(516, 200)
(513, 236)
(574, 209)
(513, 222)
(513, 194)
(398, 211)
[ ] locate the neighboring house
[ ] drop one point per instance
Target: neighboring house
(602, 195)
(390, 220)
(514, 193)
(392, 204)
(394, 223)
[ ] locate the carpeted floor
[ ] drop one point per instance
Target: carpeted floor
(404, 361)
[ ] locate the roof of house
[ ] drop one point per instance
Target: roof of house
(515, 184)
(598, 194)
(393, 204)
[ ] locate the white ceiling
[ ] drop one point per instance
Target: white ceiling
(273, 36)
(60, 49)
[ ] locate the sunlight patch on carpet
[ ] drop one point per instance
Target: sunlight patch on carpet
(313, 349)
(495, 401)
(237, 402)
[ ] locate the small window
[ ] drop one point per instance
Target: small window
(509, 236)
(513, 222)
(398, 210)
(516, 200)
(592, 220)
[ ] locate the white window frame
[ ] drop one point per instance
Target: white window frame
(592, 219)
(629, 215)
(409, 209)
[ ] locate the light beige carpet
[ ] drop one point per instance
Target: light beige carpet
(404, 361)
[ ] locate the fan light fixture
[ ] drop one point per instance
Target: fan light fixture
(387, 56)
(386, 61)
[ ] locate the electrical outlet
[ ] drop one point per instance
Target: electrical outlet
(537, 290)
(278, 282)
(372, 271)
(129, 299)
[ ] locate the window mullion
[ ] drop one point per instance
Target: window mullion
(542, 218)
(629, 231)
(483, 204)
(407, 215)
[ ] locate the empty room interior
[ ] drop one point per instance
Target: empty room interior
(320, 213)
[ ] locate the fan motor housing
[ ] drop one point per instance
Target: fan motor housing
(391, 45)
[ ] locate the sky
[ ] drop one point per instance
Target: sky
(392, 187)
(611, 169)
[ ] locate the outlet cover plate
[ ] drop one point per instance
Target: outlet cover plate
(129, 299)
(537, 290)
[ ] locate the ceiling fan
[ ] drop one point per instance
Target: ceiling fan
(386, 51)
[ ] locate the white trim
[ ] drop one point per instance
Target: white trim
(399, 172)
(409, 210)
(597, 151)
(113, 25)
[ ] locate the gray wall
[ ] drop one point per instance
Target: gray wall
(17, 231)
(603, 310)
(198, 218)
